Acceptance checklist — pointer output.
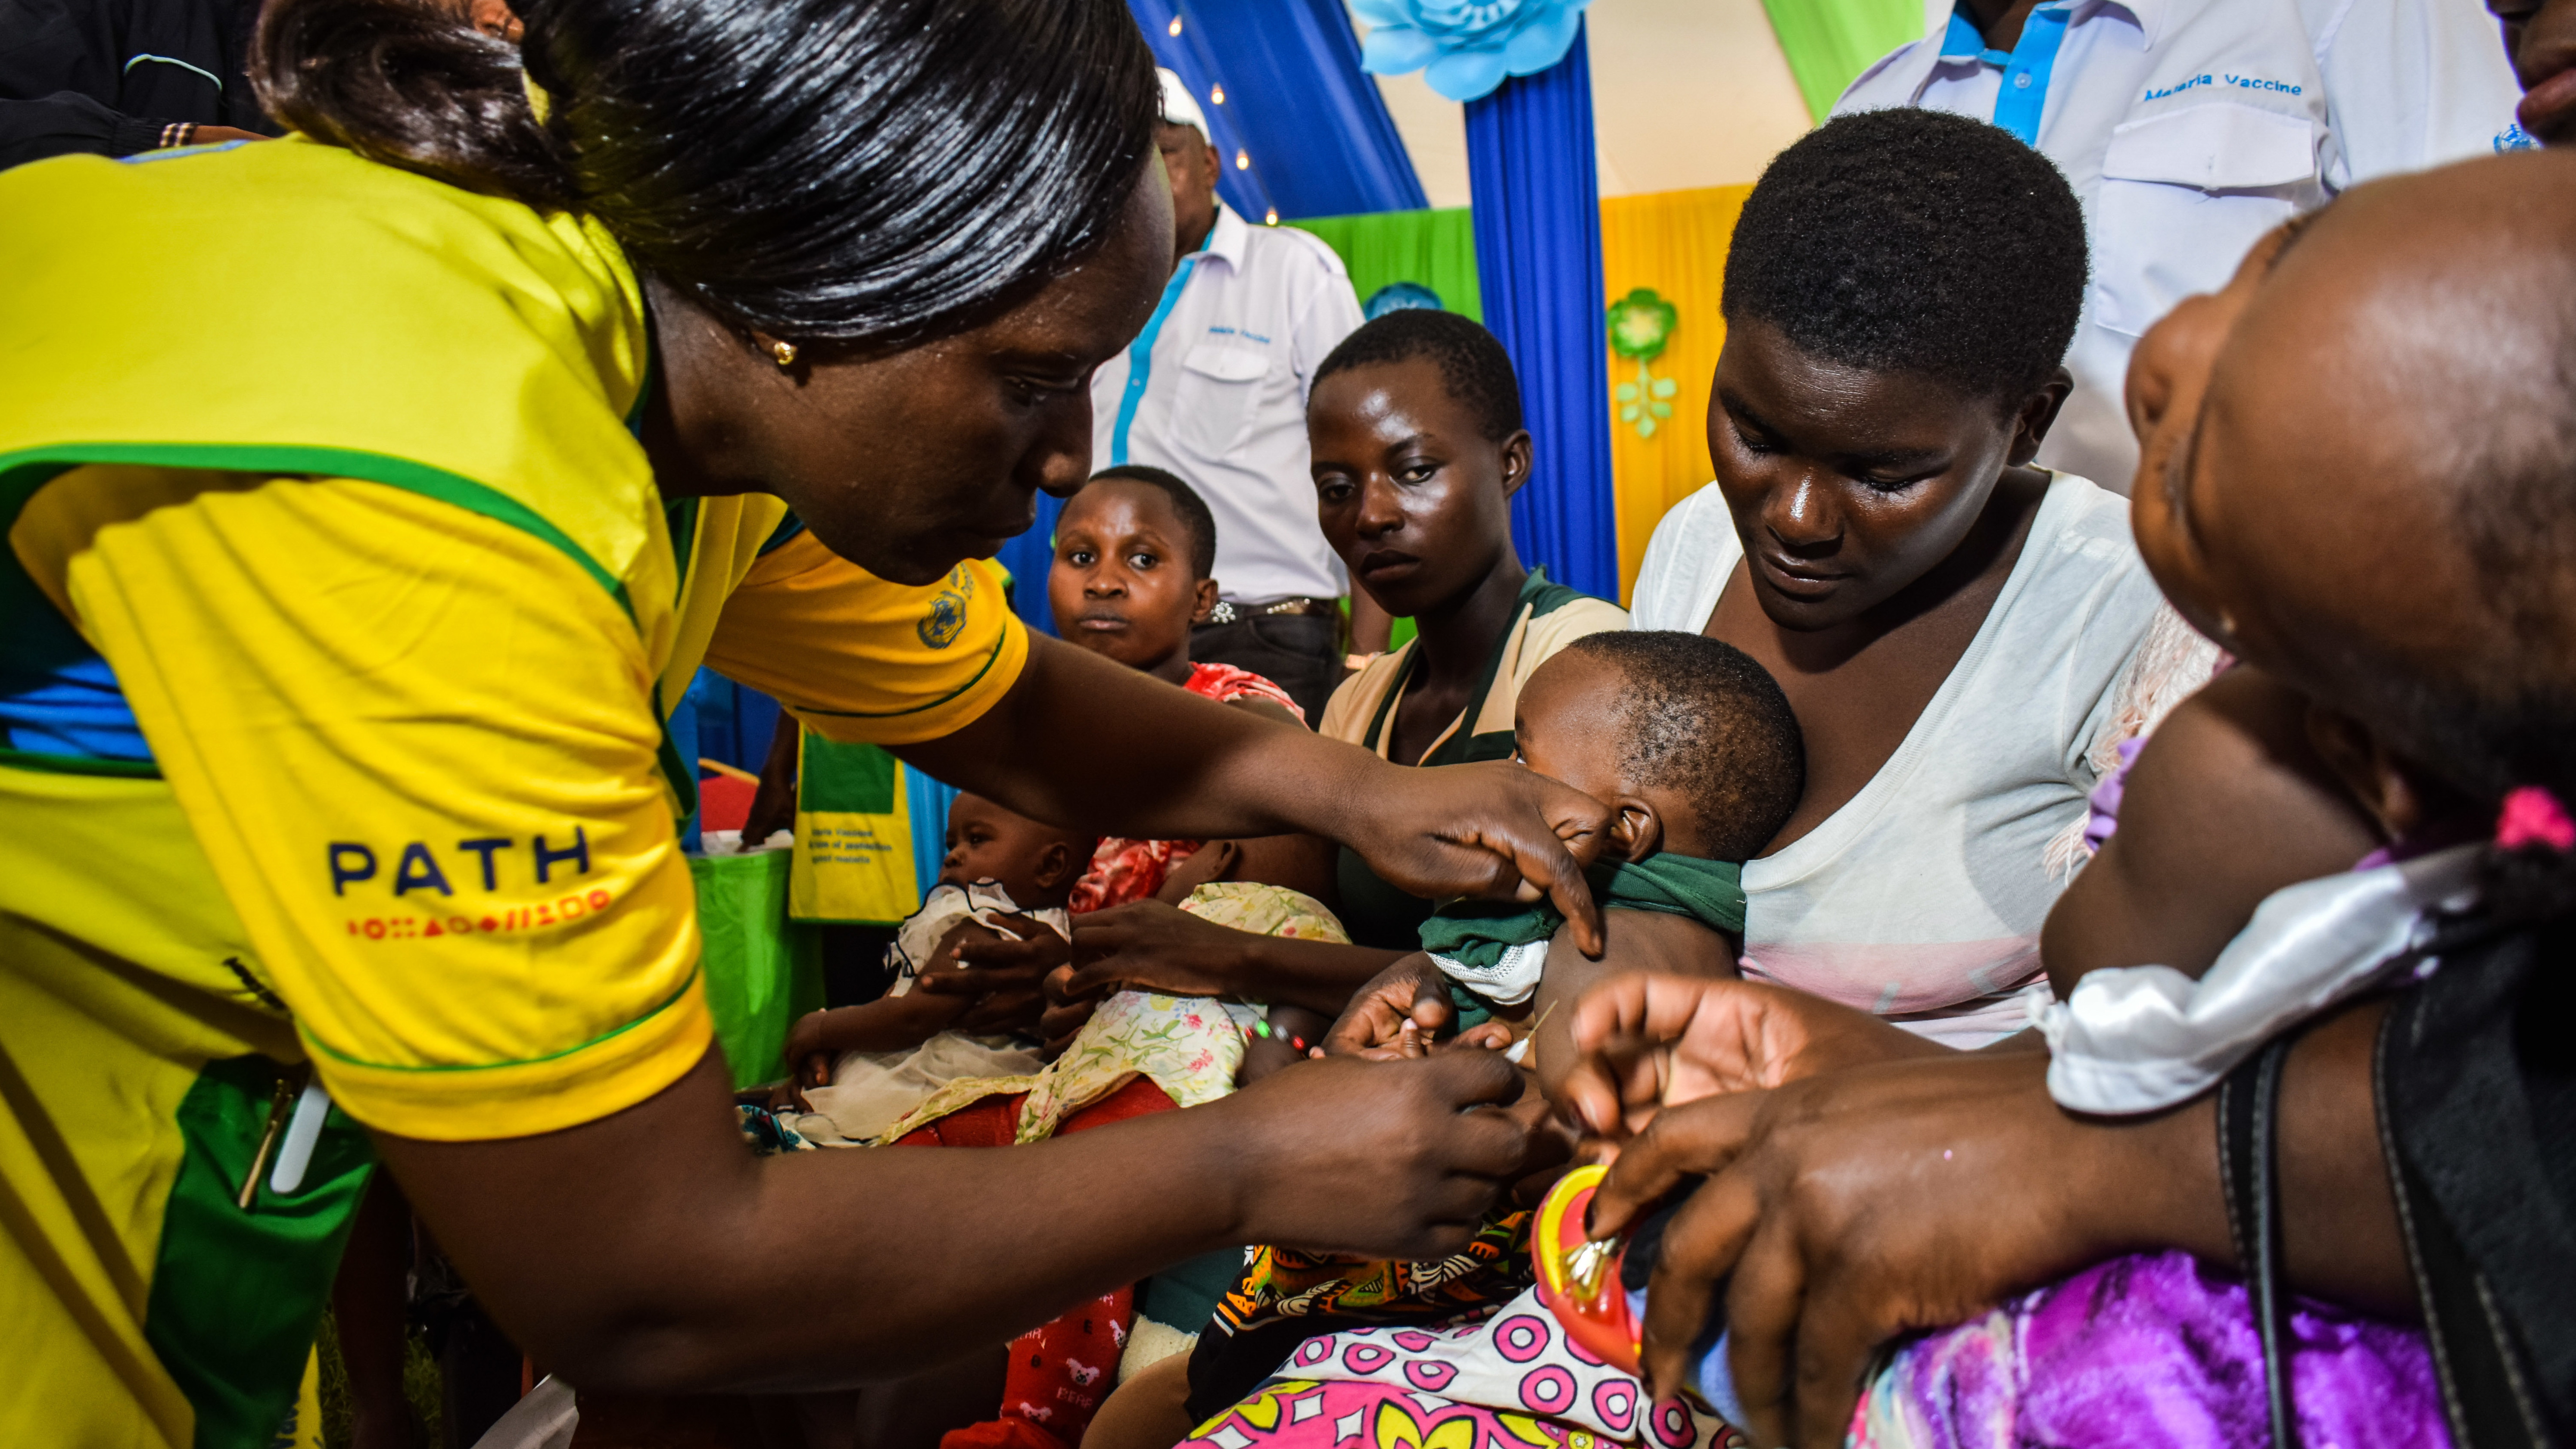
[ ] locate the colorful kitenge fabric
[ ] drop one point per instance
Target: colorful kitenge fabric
(2156, 1351)
(1123, 869)
(1498, 950)
(1189, 1046)
(1514, 1380)
(1283, 1283)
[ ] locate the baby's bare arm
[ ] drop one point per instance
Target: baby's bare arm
(1638, 941)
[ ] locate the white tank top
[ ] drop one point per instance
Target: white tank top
(1922, 898)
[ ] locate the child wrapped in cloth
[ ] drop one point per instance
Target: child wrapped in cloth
(1695, 749)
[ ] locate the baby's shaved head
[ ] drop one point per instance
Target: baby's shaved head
(2386, 477)
(1694, 717)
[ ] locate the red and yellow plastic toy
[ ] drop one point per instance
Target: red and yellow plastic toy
(1578, 1279)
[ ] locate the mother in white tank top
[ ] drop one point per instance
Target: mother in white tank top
(1966, 639)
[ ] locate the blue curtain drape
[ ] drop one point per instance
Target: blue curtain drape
(1538, 263)
(1296, 104)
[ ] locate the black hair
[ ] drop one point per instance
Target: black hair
(1192, 510)
(793, 166)
(1914, 241)
(1472, 362)
(1699, 716)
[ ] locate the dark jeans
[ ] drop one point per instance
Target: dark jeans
(1300, 653)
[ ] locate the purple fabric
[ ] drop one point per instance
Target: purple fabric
(2102, 815)
(2148, 1352)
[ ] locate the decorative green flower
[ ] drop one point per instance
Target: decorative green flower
(1641, 323)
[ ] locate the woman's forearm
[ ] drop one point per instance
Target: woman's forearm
(649, 1249)
(1317, 975)
(2340, 1232)
(1083, 741)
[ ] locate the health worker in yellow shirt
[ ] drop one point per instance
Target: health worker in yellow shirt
(372, 494)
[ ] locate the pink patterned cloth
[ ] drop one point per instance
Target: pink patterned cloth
(1512, 1381)
(1124, 869)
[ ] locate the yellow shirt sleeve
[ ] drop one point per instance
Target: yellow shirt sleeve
(867, 661)
(417, 747)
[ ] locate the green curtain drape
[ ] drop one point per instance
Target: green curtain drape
(1436, 249)
(1830, 42)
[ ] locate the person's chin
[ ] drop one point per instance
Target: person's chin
(2548, 112)
(1806, 604)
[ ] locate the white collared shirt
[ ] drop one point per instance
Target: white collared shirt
(1228, 359)
(2189, 128)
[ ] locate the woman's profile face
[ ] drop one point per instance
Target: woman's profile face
(908, 462)
(1409, 490)
(1848, 484)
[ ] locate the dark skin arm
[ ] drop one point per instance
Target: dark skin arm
(688, 1285)
(1850, 1208)
(2227, 803)
(1639, 940)
(1063, 746)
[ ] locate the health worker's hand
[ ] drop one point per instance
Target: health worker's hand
(1848, 1209)
(1493, 829)
(1645, 1042)
(1434, 1142)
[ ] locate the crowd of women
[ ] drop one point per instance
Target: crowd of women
(2144, 1028)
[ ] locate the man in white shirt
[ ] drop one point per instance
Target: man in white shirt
(2188, 128)
(1214, 390)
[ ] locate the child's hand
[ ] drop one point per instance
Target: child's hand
(808, 1051)
(1399, 1013)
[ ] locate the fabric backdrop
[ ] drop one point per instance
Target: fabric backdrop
(1530, 161)
(1297, 106)
(1830, 42)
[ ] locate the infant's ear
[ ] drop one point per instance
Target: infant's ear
(1636, 830)
(1054, 863)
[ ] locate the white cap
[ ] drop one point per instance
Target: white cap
(1180, 108)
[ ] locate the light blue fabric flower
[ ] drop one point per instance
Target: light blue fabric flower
(1464, 48)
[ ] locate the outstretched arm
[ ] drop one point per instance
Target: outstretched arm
(1079, 739)
(650, 1249)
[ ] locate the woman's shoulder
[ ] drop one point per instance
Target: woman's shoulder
(1687, 562)
(1346, 714)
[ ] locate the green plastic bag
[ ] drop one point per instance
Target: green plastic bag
(762, 970)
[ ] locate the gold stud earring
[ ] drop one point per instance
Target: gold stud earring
(785, 352)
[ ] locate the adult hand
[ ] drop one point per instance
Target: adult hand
(1433, 1140)
(1154, 946)
(1404, 1005)
(1645, 1042)
(1008, 978)
(1851, 1208)
(218, 135)
(1065, 1014)
(1494, 829)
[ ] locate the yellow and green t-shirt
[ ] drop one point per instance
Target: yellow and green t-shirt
(338, 627)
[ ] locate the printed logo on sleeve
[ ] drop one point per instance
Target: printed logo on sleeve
(947, 617)
(428, 880)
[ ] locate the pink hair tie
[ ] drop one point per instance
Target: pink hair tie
(2533, 816)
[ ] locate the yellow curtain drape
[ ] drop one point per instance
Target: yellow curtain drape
(1675, 243)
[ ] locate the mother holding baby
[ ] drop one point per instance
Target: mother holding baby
(340, 651)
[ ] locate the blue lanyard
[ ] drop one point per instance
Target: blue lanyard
(1140, 353)
(2023, 93)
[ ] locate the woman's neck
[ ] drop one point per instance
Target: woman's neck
(1459, 636)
